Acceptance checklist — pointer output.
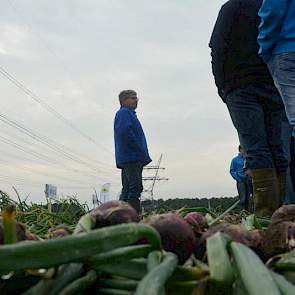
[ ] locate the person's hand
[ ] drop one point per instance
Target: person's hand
(248, 173)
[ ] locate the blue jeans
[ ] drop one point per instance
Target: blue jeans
(257, 111)
(245, 191)
(292, 162)
(282, 69)
(287, 147)
(131, 176)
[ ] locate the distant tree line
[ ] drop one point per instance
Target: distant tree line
(221, 203)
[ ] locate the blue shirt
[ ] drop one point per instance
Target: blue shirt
(237, 168)
(130, 142)
(277, 28)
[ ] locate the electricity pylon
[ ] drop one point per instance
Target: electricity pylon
(150, 189)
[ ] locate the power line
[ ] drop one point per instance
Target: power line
(13, 182)
(36, 171)
(50, 109)
(2, 152)
(26, 150)
(20, 13)
(20, 180)
(58, 148)
(58, 59)
(25, 182)
(45, 158)
(27, 168)
(31, 94)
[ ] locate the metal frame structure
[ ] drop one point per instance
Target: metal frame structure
(150, 189)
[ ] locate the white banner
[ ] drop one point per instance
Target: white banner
(51, 191)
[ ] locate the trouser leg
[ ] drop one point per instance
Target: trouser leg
(278, 143)
(125, 185)
(292, 170)
(257, 132)
(135, 180)
(243, 193)
(287, 147)
(247, 115)
(282, 69)
(133, 174)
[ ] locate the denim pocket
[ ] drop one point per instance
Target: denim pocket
(286, 62)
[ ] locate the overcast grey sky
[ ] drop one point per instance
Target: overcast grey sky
(76, 56)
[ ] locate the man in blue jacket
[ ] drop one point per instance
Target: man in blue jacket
(277, 48)
(237, 171)
(130, 148)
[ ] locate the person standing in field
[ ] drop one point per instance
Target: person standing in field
(254, 104)
(277, 48)
(131, 149)
(237, 171)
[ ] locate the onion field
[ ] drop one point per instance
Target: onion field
(112, 250)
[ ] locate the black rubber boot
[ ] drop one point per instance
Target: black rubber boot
(282, 180)
(266, 191)
(135, 203)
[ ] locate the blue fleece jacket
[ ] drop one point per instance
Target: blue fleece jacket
(277, 28)
(237, 168)
(130, 142)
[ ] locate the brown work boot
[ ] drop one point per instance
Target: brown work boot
(282, 180)
(266, 191)
(135, 203)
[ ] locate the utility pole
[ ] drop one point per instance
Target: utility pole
(153, 179)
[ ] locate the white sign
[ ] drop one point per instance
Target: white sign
(105, 193)
(51, 191)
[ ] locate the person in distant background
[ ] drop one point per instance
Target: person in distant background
(244, 83)
(237, 171)
(131, 149)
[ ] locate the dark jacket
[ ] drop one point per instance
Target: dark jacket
(235, 60)
(130, 142)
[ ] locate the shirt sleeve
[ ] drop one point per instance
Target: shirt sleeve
(272, 13)
(220, 42)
